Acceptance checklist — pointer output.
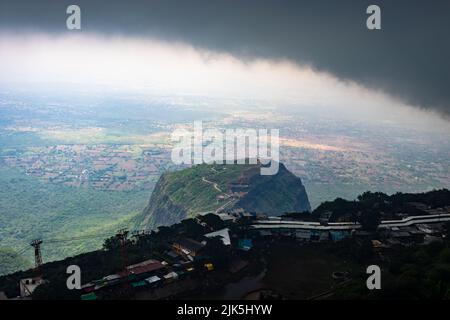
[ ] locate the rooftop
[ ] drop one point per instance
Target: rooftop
(224, 234)
(145, 266)
(190, 244)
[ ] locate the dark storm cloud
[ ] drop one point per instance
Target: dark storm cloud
(408, 58)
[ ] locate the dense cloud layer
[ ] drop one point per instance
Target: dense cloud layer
(408, 58)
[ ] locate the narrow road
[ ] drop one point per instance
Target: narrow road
(214, 184)
(224, 205)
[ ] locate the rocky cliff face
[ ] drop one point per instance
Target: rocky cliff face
(223, 188)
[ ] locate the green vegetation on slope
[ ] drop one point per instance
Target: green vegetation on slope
(30, 208)
(415, 273)
(196, 190)
(386, 205)
(10, 261)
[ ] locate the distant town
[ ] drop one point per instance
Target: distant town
(103, 167)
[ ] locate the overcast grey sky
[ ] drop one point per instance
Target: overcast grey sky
(408, 58)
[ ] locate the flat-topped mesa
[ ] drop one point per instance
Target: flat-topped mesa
(223, 188)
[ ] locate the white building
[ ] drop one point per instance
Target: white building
(224, 234)
(28, 285)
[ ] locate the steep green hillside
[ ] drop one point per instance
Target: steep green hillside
(223, 188)
(10, 261)
(30, 208)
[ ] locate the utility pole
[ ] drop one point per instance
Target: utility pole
(36, 244)
(122, 236)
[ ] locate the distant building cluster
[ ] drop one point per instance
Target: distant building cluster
(103, 167)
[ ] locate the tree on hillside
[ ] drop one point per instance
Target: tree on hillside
(191, 228)
(338, 207)
(213, 221)
(371, 198)
(302, 216)
(111, 244)
(370, 219)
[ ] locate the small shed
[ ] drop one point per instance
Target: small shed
(153, 280)
(171, 276)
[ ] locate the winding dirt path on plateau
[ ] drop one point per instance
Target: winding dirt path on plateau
(216, 186)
